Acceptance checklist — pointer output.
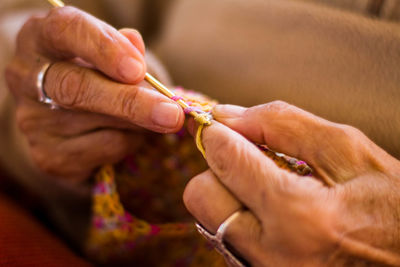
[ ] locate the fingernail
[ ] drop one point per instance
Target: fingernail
(227, 111)
(166, 115)
(130, 69)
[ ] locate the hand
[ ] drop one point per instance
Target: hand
(94, 78)
(347, 213)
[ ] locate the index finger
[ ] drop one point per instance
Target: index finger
(242, 167)
(336, 152)
(79, 88)
(68, 32)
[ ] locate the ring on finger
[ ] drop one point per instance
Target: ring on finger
(42, 96)
(217, 240)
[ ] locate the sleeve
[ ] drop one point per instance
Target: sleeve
(333, 63)
(147, 16)
(58, 200)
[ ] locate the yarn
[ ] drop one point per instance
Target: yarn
(138, 215)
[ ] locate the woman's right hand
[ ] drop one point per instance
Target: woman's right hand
(94, 78)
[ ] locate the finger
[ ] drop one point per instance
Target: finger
(101, 147)
(242, 167)
(135, 38)
(33, 117)
(211, 204)
(68, 33)
(74, 87)
(332, 149)
(75, 158)
(224, 203)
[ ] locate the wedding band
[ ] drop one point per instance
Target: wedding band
(217, 240)
(42, 96)
(224, 225)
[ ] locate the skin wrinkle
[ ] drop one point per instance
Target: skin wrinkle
(106, 45)
(57, 24)
(106, 39)
(92, 35)
(285, 110)
(68, 87)
(329, 164)
(128, 105)
(320, 126)
(354, 150)
(375, 213)
(352, 221)
(50, 166)
(85, 93)
(302, 213)
(243, 156)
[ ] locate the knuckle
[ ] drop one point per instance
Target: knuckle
(271, 110)
(27, 27)
(351, 131)
(45, 161)
(345, 133)
(26, 32)
(191, 194)
(58, 21)
(117, 144)
(29, 121)
(350, 142)
(12, 77)
(354, 136)
(23, 122)
(72, 86)
(222, 161)
(128, 102)
(108, 40)
(276, 107)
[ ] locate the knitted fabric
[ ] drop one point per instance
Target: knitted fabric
(138, 214)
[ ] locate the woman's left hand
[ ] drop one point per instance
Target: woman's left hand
(348, 212)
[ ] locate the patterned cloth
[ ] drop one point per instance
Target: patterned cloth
(138, 213)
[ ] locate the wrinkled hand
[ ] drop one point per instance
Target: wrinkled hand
(348, 213)
(94, 79)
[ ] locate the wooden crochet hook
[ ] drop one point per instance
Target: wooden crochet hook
(200, 118)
